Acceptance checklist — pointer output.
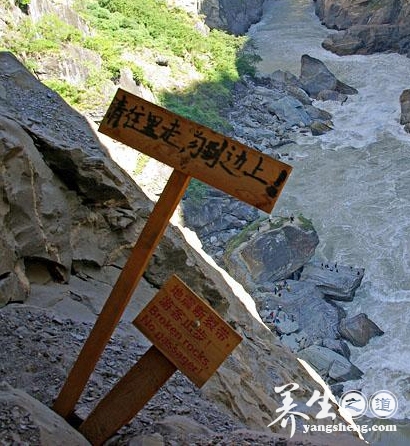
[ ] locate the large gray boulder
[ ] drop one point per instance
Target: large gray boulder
(337, 282)
(270, 250)
(359, 329)
(316, 78)
(30, 422)
(291, 111)
(330, 364)
(304, 302)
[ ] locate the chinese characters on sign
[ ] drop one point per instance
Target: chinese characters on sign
(196, 150)
(187, 331)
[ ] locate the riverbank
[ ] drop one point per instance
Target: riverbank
(352, 184)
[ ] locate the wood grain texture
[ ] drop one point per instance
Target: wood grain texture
(215, 159)
(121, 294)
(128, 396)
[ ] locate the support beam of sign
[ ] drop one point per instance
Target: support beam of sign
(193, 151)
(128, 396)
(178, 322)
(121, 293)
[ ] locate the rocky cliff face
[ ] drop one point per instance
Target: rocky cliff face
(231, 15)
(368, 27)
(69, 215)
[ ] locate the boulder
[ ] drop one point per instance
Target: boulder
(270, 250)
(359, 329)
(320, 128)
(331, 95)
(290, 110)
(305, 302)
(285, 324)
(405, 110)
(330, 364)
(315, 77)
(338, 346)
(337, 282)
(31, 422)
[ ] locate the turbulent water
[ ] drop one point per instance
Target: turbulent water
(354, 183)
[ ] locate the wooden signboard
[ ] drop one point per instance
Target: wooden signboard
(196, 150)
(187, 335)
(187, 331)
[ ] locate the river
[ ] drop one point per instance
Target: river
(354, 184)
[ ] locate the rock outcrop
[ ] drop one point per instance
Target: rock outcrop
(320, 83)
(69, 216)
(359, 329)
(231, 15)
(34, 423)
(368, 27)
(270, 251)
(335, 281)
(330, 364)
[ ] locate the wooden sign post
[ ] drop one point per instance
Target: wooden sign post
(193, 151)
(187, 335)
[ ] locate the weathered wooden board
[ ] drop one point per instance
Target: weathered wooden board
(121, 293)
(187, 331)
(198, 151)
(128, 396)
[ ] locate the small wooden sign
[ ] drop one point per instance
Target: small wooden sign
(196, 150)
(187, 331)
(187, 335)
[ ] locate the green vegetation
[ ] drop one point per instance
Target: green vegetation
(197, 191)
(306, 223)
(48, 35)
(243, 236)
(125, 34)
(120, 28)
(142, 161)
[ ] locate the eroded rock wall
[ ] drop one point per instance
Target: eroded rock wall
(69, 216)
(235, 16)
(368, 27)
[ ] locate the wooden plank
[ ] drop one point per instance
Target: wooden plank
(128, 396)
(198, 151)
(187, 331)
(121, 293)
